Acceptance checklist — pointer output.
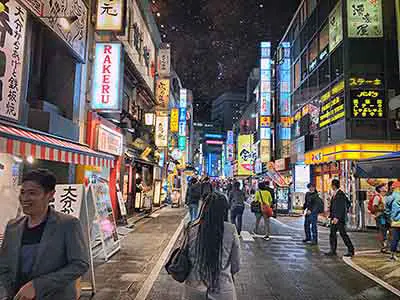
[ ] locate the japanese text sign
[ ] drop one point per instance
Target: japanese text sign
(161, 131)
(174, 120)
(106, 88)
(365, 18)
(182, 143)
(68, 199)
(183, 98)
(109, 141)
(335, 27)
(164, 62)
(182, 115)
(110, 15)
(162, 93)
(368, 104)
(363, 82)
(12, 45)
(36, 6)
(245, 156)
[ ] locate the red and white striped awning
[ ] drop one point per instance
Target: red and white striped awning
(25, 142)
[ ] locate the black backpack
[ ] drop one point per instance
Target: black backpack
(320, 205)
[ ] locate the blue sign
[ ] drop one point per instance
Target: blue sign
(213, 136)
(182, 115)
(229, 139)
(182, 143)
(182, 128)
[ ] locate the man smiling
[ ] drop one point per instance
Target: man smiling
(44, 252)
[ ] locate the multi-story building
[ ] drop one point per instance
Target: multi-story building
(226, 109)
(343, 70)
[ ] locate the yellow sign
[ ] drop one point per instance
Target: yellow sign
(174, 121)
(332, 106)
(364, 18)
(265, 121)
(349, 152)
(367, 104)
(245, 155)
(357, 82)
(265, 151)
(162, 93)
(110, 15)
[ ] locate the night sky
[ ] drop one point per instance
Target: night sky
(215, 42)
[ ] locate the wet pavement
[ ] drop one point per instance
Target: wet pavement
(284, 268)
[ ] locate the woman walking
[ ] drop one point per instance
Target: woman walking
(393, 211)
(214, 252)
(264, 198)
(236, 202)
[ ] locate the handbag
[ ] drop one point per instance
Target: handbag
(266, 209)
(255, 207)
(179, 265)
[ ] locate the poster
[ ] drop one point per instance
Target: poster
(245, 157)
(12, 45)
(335, 27)
(174, 121)
(365, 18)
(104, 220)
(161, 131)
(68, 199)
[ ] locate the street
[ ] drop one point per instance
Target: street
(282, 268)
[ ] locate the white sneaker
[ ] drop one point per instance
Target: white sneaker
(394, 258)
(267, 238)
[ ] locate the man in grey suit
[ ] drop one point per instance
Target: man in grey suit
(44, 252)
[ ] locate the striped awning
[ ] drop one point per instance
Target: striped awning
(26, 142)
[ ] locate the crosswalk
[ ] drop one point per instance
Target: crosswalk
(248, 237)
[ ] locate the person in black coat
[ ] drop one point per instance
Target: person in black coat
(311, 215)
(338, 212)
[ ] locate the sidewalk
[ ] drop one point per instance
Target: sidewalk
(123, 276)
(379, 268)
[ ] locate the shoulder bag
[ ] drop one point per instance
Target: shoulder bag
(265, 208)
(179, 265)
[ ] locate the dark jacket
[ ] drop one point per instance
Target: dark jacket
(206, 188)
(193, 194)
(237, 198)
(311, 201)
(338, 207)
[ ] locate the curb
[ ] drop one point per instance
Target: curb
(364, 272)
(136, 219)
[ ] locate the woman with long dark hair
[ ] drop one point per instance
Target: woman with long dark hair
(214, 251)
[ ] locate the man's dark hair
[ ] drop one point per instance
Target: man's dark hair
(379, 187)
(336, 183)
(390, 183)
(46, 179)
(310, 185)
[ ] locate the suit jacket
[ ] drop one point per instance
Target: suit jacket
(339, 206)
(62, 257)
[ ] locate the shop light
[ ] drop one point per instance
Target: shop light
(30, 159)
(18, 159)
(115, 121)
(64, 22)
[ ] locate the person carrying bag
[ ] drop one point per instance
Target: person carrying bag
(264, 198)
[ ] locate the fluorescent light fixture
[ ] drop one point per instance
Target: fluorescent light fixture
(30, 159)
(18, 159)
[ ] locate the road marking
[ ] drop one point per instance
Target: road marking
(285, 225)
(281, 237)
(155, 215)
(364, 272)
(148, 284)
(246, 236)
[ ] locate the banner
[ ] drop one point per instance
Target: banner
(162, 93)
(335, 27)
(164, 62)
(161, 131)
(12, 46)
(68, 199)
(365, 18)
(245, 157)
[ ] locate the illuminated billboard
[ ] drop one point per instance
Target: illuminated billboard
(106, 88)
(245, 155)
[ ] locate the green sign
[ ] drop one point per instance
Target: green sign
(182, 143)
(365, 18)
(335, 27)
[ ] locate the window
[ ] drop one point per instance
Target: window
(304, 65)
(297, 76)
(313, 85)
(313, 53)
(337, 63)
(324, 38)
(324, 76)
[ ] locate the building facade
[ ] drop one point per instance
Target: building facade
(226, 109)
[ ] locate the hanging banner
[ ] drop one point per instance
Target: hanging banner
(174, 120)
(109, 140)
(161, 131)
(12, 45)
(106, 87)
(335, 27)
(365, 18)
(110, 15)
(162, 93)
(68, 199)
(164, 62)
(245, 166)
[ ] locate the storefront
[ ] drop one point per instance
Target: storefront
(22, 148)
(337, 162)
(283, 198)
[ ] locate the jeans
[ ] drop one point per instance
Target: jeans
(236, 217)
(267, 225)
(311, 227)
(382, 229)
(194, 210)
(341, 227)
(395, 239)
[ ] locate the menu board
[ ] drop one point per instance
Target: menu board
(368, 104)
(332, 106)
(105, 223)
